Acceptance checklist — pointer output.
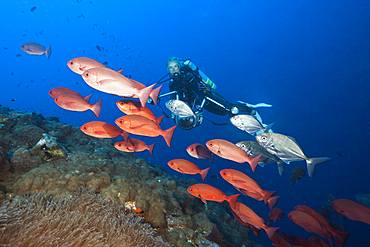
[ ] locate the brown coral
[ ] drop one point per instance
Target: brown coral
(84, 219)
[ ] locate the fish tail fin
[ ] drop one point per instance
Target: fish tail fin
(125, 135)
(154, 94)
(339, 236)
(204, 173)
(144, 94)
(270, 231)
(48, 52)
(232, 200)
(150, 148)
(311, 163)
(87, 98)
(158, 120)
(267, 195)
(211, 158)
(280, 165)
(97, 107)
(272, 201)
(253, 162)
(168, 135)
(268, 127)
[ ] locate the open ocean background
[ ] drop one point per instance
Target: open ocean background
(309, 59)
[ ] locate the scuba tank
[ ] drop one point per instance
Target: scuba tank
(205, 78)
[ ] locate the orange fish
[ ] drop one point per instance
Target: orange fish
(207, 192)
(279, 241)
(133, 107)
(308, 223)
(271, 201)
(102, 130)
(199, 151)
(36, 49)
(153, 94)
(242, 182)
(80, 64)
(317, 242)
(186, 167)
(352, 210)
(276, 214)
(133, 145)
(55, 92)
(139, 125)
(76, 103)
(109, 81)
(249, 216)
(230, 151)
(297, 241)
(340, 236)
(255, 230)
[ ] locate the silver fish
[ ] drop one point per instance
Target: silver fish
(249, 124)
(179, 108)
(254, 149)
(287, 149)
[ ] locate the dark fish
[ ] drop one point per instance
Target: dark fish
(214, 176)
(254, 149)
(296, 174)
(98, 48)
(81, 15)
(12, 73)
(12, 100)
(77, 83)
(19, 84)
(105, 63)
(18, 55)
(33, 9)
(5, 48)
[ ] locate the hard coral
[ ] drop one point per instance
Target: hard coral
(84, 219)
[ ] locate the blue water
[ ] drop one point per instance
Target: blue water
(310, 59)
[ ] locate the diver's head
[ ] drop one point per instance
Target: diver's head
(173, 65)
(188, 123)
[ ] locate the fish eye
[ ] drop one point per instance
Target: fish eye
(191, 149)
(71, 63)
(121, 121)
(211, 144)
(85, 128)
(191, 189)
(87, 74)
(224, 173)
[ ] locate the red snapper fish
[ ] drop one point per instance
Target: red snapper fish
(199, 151)
(55, 92)
(139, 125)
(352, 210)
(73, 102)
(207, 192)
(36, 49)
(133, 145)
(133, 107)
(230, 151)
(102, 130)
(80, 64)
(186, 167)
(109, 81)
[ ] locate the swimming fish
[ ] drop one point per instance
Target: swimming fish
(230, 151)
(133, 107)
(199, 151)
(275, 214)
(296, 174)
(102, 130)
(352, 210)
(249, 124)
(179, 108)
(133, 145)
(139, 125)
(186, 167)
(55, 92)
(36, 49)
(287, 149)
(80, 64)
(73, 102)
(254, 149)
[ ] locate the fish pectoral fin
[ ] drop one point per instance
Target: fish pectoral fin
(181, 171)
(135, 111)
(203, 200)
(138, 126)
(239, 182)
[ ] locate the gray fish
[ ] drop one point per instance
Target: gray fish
(254, 149)
(287, 149)
(179, 108)
(249, 124)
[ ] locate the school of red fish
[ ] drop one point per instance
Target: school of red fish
(140, 120)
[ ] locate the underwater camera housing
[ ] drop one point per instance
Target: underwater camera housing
(188, 123)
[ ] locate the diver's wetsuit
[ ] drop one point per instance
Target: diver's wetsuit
(190, 89)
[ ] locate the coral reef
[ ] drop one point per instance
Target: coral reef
(134, 184)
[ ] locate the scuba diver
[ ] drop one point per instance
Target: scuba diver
(189, 85)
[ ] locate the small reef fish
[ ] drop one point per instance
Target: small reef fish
(80, 64)
(207, 192)
(254, 149)
(249, 124)
(133, 107)
(340, 236)
(352, 210)
(36, 49)
(73, 102)
(254, 229)
(243, 182)
(249, 216)
(287, 149)
(230, 151)
(296, 174)
(186, 167)
(102, 130)
(275, 214)
(55, 92)
(179, 108)
(363, 198)
(199, 151)
(109, 81)
(133, 145)
(139, 125)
